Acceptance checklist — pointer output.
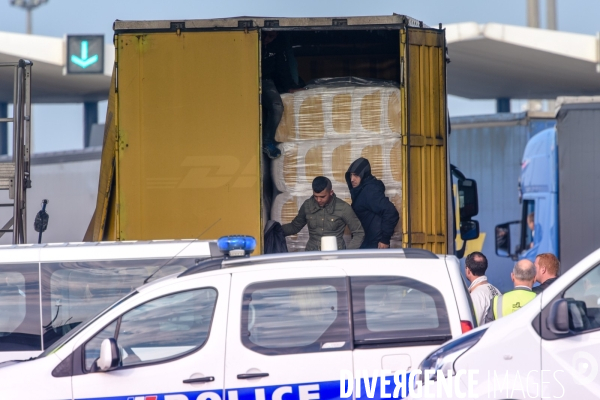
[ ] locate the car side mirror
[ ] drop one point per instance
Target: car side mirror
(558, 320)
(468, 203)
(503, 239)
(109, 355)
(566, 316)
(469, 230)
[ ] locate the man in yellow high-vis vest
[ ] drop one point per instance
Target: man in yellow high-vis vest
(523, 277)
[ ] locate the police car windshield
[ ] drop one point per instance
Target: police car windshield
(58, 344)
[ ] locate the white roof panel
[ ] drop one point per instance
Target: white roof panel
(488, 61)
(494, 61)
(49, 83)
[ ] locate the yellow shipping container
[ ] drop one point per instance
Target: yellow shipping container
(182, 149)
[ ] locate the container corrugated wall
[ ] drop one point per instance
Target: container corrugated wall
(489, 149)
(424, 194)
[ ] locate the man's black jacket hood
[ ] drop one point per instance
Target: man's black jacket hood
(375, 211)
(362, 168)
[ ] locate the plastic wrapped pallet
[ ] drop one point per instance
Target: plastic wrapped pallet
(285, 208)
(395, 196)
(340, 112)
(301, 162)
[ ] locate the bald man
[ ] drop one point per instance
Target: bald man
(523, 277)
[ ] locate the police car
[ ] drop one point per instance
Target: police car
(550, 348)
(273, 327)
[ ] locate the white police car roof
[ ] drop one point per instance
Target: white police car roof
(328, 255)
(293, 259)
(216, 265)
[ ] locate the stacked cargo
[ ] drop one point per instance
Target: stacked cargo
(323, 130)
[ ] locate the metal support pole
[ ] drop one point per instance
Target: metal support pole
(598, 52)
(18, 128)
(3, 129)
(551, 15)
(533, 13)
(90, 117)
(29, 21)
(503, 105)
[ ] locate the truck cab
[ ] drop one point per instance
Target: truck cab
(536, 232)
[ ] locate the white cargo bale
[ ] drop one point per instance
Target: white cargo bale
(301, 162)
(342, 112)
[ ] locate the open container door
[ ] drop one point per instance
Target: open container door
(188, 123)
(425, 168)
(102, 224)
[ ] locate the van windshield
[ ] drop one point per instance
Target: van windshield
(74, 291)
(59, 343)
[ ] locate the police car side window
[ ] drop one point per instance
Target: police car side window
(158, 330)
(296, 316)
(397, 309)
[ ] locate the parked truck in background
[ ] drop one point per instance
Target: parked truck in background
(558, 189)
(489, 149)
(182, 149)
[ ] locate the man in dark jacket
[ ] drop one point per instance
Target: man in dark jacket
(546, 271)
(276, 78)
(376, 212)
(326, 215)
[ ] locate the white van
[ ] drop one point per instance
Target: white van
(46, 290)
(269, 327)
(550, 348)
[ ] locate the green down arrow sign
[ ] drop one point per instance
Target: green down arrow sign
(84, 61)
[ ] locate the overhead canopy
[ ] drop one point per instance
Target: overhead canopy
(49, 85)
(489, 61)
(493, 61)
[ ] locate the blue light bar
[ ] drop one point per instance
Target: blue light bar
(236, 245)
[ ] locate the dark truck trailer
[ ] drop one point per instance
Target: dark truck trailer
(578, 142)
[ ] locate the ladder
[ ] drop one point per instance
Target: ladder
(15, 175)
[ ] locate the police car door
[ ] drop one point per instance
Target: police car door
(172, 345)
(399, 317)
(288, 334)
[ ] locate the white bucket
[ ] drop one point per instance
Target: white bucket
(329, 243)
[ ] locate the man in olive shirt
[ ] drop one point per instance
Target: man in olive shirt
(326, 215)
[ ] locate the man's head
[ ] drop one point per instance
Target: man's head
(546, 267)
(476, 264)
(322, 190)
(358, 171)
(523, 273)
(269, 36)
(531, 221)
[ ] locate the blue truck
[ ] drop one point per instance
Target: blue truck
(559, 189)
(489, 149)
